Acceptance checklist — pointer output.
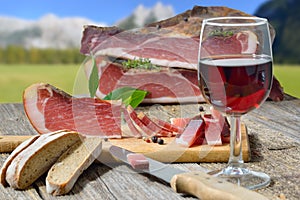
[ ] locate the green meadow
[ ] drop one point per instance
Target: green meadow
(289, 78)
(15, 78)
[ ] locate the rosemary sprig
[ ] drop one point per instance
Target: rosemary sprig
(221, 33)
(140, 63)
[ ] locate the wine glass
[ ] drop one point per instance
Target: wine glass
(235, 77)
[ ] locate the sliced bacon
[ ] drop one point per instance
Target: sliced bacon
(193, 134)
(169, 126)
(50, 109)
(137, 161)
(133, 115)
(129, 129)
(180, 122)
(223, 123)
(213, 130)
(159, 131)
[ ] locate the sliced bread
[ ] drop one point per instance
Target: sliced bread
(64, 173)
(13, 154)
(38, 157)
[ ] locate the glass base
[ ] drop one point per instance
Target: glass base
(251, 180)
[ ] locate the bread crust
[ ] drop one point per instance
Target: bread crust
(10, 158)
(38, 157)
(71, 164)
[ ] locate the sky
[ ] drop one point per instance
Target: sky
(108, 11)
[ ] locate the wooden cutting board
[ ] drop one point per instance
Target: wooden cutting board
(168, 152)
(172, 152)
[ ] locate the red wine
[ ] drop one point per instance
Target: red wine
(236, 85)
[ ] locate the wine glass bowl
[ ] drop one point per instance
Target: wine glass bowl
(235, 76)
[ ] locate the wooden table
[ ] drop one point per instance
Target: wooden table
(274, 134)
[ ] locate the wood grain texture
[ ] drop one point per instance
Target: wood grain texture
(172, 152)
(274, 140)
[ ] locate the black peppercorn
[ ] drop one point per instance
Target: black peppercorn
(201, 109)
(160, 141)
(154, 139)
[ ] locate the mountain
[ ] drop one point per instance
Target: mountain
(142, 15)
(51, 31)
(284, 15)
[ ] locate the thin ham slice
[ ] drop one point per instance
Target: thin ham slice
(213, 130)
(158, 130)
(145, 131)
(180, 122)
(129, 129)
(138, 161)
(193, 134)
(50, 109)
(169, 126)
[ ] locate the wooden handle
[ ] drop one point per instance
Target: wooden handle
(9, 142)
(207, 187)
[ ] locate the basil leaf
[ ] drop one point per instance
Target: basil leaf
(129, 96)
(93, 79)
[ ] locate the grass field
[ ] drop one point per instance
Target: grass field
(15, 78)
(289, 78)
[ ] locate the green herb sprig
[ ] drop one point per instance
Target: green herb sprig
(129, 96)
(221, 33)
(94, 78)
(140, 63)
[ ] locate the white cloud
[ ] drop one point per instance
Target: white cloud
(53, 31)
(57, 32)
(159, 11)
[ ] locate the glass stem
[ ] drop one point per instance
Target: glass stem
(236, 157)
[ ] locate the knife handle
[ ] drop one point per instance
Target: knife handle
(207, 187)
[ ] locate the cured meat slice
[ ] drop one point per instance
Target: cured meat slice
(180, 122)
(213, 130)
(223, 123)
(164, 85)
(193, 134)
(159, 131)
(172, 43)
(137, 161)
(144, 129)
(133, 129)
(50, 109)
(244, 42)
(169, 126)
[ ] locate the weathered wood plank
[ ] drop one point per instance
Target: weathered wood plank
(274, 142)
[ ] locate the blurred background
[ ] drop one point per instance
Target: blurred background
(40, 40)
